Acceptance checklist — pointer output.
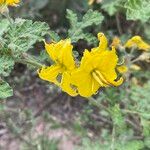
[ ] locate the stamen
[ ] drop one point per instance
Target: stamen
(92, 85)
(96, 77)
(100, 78)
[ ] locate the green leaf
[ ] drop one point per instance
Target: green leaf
(6, 65)
(72, 17)
(138, 10)
(140, 96)
(92, 17)
(111, 6)
(5, 90)
(54, 36)
(146, 125)
(118, 119)
(88, 144)
(147, 142)
(130, 145)
(77, 29)
(4, 24)
(24, 34)
(90, 38)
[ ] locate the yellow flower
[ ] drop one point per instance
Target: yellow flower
(9, 2)
(97, 69)
(60, 72)
(138, 42)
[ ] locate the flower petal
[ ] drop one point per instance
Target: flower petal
(66, 84)
(106, 64)
(65, 56)
(103, 41)
(50, 73)
(61, 53)
(85, 83)
(53, 49)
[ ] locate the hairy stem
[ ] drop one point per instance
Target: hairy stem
(28, 59)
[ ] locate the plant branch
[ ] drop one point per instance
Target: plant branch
(28, 59)
(118, 24)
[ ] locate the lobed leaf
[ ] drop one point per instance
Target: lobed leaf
(76, 32)
(6, 65)
(24, 34)
(5, 90)
(138, 10)
(4, 26)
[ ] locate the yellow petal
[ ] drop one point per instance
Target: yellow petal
(103, 44)
(85, 83)
(66, 56)
(138, 42)
(86, 61)
(50, 73)
(103, 41)
(117, 83)
(106, 63)
(53, 49)
(66, 84)
(61, 53)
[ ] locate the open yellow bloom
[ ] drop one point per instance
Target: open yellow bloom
(9, 2)
(138, 42)
(60, 72)
(97, 69)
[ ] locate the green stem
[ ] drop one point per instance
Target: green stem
(6, 14)
(134, 112)
(113, 139)
(118, 24)
(30, 62)
(28, 59)
(94, 103)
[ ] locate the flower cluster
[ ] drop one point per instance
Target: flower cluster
(138, 42)
(134, 43)
(97, 68)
